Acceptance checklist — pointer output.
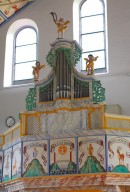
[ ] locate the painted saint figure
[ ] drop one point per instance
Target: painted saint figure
(90, 64)
(36, 70)
(35, 152)
(7, 165)
(90, 150)
(14, 167)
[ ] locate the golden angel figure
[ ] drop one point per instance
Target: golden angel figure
(36, 70)
(90, 64)
(61, 25)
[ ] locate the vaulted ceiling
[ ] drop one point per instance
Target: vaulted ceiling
(9, 8)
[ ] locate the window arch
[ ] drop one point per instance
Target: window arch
(21, 52)
(25, 54)
(91, 33)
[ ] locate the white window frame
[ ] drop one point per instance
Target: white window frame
(9, 50)
(23, 81)
(77, 33)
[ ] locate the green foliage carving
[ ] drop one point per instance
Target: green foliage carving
(98, 91)
(31, 99)
(76, 54)
(50, 58)
(83, 83)
(68, 54)
(43, 88)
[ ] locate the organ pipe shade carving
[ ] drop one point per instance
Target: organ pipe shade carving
(81, 89)
(46, 92)
(98, 91)
(50, 58)
(66, 53)
(76, 53)
(63, 73)
(31, 99)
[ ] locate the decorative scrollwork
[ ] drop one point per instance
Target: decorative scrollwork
(76, 54)
(98, 91)
(50, 58)
(31, 99)
(67, 53)
(83, 83)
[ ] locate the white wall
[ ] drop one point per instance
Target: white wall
(12, 100)
(117, 81)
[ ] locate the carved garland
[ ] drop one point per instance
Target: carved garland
(31, 99)
(98, 92)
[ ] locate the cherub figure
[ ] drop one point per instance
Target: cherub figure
(36, 70)
(61, 25)
(90, 64)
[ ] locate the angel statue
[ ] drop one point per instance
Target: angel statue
(90, 64)
(61, 25)
(36, 70)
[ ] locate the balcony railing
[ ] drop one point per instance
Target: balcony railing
(30, 125)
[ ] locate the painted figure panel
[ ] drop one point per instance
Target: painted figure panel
(118, 154)
(7, 165)
(16, 161)
(91, 154)
(1, 162)
(35, 161)
(62, 156)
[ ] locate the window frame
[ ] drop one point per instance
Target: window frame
(97, 70)
(22, 81)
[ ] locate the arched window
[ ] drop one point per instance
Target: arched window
(21, 52)
(92, 33)
(25, 55)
